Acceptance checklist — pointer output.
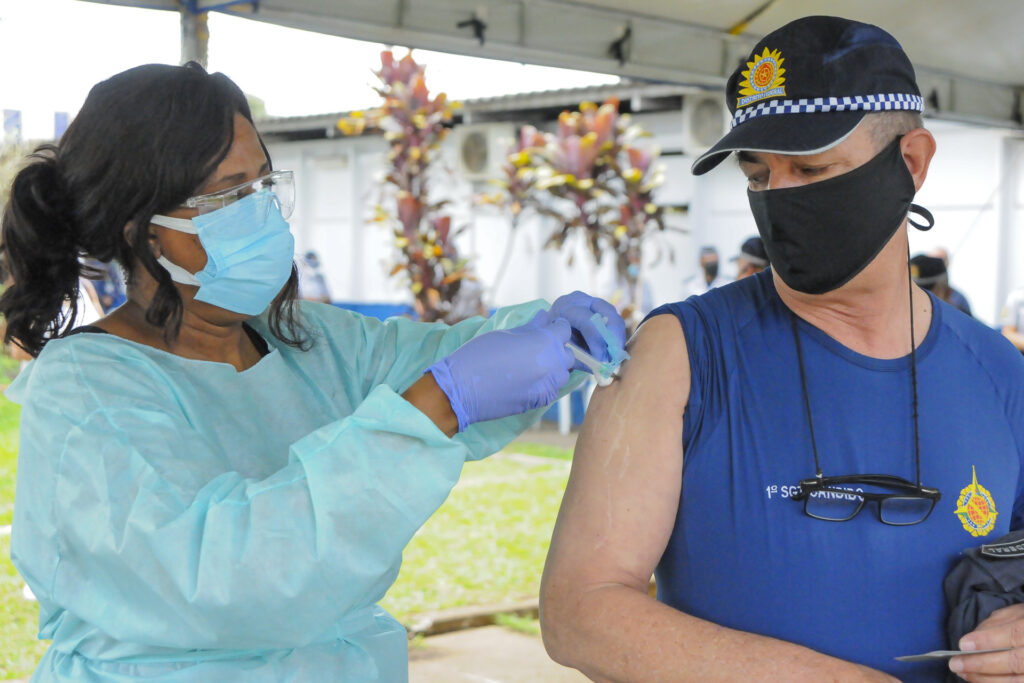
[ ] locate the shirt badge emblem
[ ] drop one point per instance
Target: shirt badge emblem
(976, 508)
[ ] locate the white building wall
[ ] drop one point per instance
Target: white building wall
(963, 192)
(336, 189)
(339, 182)
(1011, 227)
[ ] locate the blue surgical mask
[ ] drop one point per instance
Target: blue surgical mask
(249, 249)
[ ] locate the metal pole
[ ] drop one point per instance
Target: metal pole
(195, 36)
(564, 414)
(1011, 236)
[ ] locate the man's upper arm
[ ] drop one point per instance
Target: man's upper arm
(623, 493)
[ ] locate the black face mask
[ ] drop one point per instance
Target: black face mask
(819, 236)
(711, 270)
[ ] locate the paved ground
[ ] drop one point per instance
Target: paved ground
(491, 654)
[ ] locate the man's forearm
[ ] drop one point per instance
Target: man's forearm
(619, 633)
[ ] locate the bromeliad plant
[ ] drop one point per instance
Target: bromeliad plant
(414, 125)
(594, 179)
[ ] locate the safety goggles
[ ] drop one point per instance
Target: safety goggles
(280, 183)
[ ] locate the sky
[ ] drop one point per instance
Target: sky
(53, 51)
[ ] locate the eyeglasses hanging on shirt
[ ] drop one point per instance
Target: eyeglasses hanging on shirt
(841, 498)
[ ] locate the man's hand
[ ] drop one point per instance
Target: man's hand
(1003, 628)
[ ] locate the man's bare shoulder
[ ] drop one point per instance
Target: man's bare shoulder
(651, 393)
(630, 444)
(659, 359)
(662, 331)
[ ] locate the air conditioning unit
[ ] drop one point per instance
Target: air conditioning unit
(482, 149)
(705, 120)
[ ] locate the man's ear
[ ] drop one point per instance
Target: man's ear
(918, 148)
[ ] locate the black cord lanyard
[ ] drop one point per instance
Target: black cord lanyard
(913, 381)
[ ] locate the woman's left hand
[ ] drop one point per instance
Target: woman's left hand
(506, 372)
(577, 309)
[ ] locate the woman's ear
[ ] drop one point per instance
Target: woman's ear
(918, 148)
(152, 237)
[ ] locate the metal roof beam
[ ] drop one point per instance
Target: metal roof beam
(576, 35)
(561, 34)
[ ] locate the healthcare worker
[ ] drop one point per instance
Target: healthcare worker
(216, 481)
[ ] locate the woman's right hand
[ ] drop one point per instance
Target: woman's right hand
(506, 372)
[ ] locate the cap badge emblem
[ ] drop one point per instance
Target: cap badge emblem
(762, 79)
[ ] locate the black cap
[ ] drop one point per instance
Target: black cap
(752, 250)
(927, 271)
(807, 85)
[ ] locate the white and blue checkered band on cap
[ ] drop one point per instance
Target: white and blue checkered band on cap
(868, 103)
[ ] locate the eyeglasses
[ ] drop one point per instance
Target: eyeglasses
(280, 183)
(831, 499)
(839, 499)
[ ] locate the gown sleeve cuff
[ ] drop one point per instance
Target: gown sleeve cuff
(388, 449)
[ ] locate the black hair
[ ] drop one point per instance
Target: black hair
(886, 126)
(143, 142)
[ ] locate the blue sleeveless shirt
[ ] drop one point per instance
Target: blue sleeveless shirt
(744, 555)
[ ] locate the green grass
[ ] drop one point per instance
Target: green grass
(9, 415)
(540, 449)
(527, 625)
(485, 546)
(9, 369)
(19, 618)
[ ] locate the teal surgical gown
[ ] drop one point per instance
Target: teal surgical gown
(182, 521)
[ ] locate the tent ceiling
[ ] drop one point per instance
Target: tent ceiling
(968, 55)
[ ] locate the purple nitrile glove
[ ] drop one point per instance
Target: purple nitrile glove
(577, 309)
(506, 372)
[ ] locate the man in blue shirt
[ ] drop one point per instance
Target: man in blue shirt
(845, 433)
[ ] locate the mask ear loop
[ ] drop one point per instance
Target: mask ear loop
(179, 224)
(924, 213)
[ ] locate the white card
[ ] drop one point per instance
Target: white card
(946, 654)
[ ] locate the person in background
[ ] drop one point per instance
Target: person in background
(621, 293)
(216, 480)
(1012, 318)
(752, 258)
(312, 283)
(468, 301)
(929, 272)
(956, 297)
(709, 277)
(109, 286)
(799, 457)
